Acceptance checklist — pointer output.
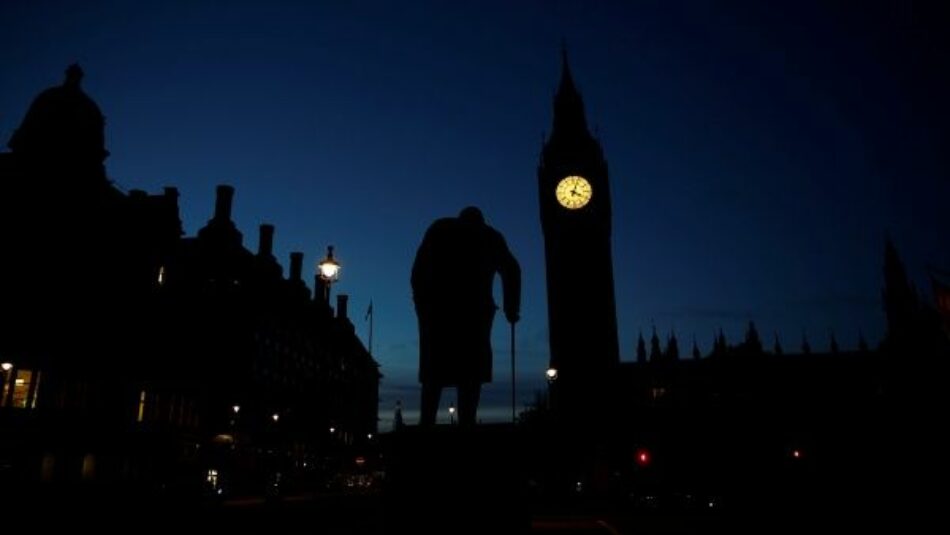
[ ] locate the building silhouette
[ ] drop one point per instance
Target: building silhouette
(574, 195)
(141, 355)
(763, 427)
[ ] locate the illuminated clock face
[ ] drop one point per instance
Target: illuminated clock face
(573, 192)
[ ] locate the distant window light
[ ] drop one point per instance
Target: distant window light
(657, 392)
(21, 388)
(161, 275)
(88, 466)
(36, 389)
(212, 478)
(141, 413)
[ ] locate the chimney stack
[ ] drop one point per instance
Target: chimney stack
(222, 205)
(296, 265)
(341, 300)
(320, 290)
(265, 247)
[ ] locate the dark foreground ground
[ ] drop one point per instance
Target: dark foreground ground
(457, 482)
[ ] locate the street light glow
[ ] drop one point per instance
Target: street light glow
(236, 409)
(329, 268)
(551, 374)
(6, 366)
(276, 417)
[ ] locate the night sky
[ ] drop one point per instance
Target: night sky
(759, 153)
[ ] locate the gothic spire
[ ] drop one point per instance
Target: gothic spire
(899, 296)
(569, 117)
(672, 347)
(752, 342)
(641, 349)
(655, 352)
(806, 347)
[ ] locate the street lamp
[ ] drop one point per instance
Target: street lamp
(236, 409)
(452, 414)
(329, 270)
(551, 375)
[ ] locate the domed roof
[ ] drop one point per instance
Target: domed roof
(63, 121)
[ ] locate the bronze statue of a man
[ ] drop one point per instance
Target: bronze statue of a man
(452, 279)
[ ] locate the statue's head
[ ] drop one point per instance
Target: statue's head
(471, 215)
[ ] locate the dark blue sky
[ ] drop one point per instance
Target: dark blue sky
(758, 153)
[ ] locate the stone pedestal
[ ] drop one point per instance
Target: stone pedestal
(455, 480)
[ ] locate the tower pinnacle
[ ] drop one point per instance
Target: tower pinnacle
(569, 117)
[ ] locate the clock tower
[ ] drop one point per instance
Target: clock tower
(576, 220)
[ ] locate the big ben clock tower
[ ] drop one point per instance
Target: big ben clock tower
(576, 221)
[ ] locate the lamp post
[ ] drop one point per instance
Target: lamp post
(329, 271)
(452, 414)
(5, 380)
(235, 410)
(551, 375)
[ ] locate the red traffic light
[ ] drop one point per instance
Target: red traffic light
(643, 457)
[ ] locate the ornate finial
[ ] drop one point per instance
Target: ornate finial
(73, 75)
(566, 78)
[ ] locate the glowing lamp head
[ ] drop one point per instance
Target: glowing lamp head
(236, 409)
(6, 366)
(275, 417)
(796, 453)
(452, 409)
(329, 268)
(551, 374)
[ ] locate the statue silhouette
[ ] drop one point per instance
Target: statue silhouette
(452, 279)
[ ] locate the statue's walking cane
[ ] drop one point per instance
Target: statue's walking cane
(512, 372)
